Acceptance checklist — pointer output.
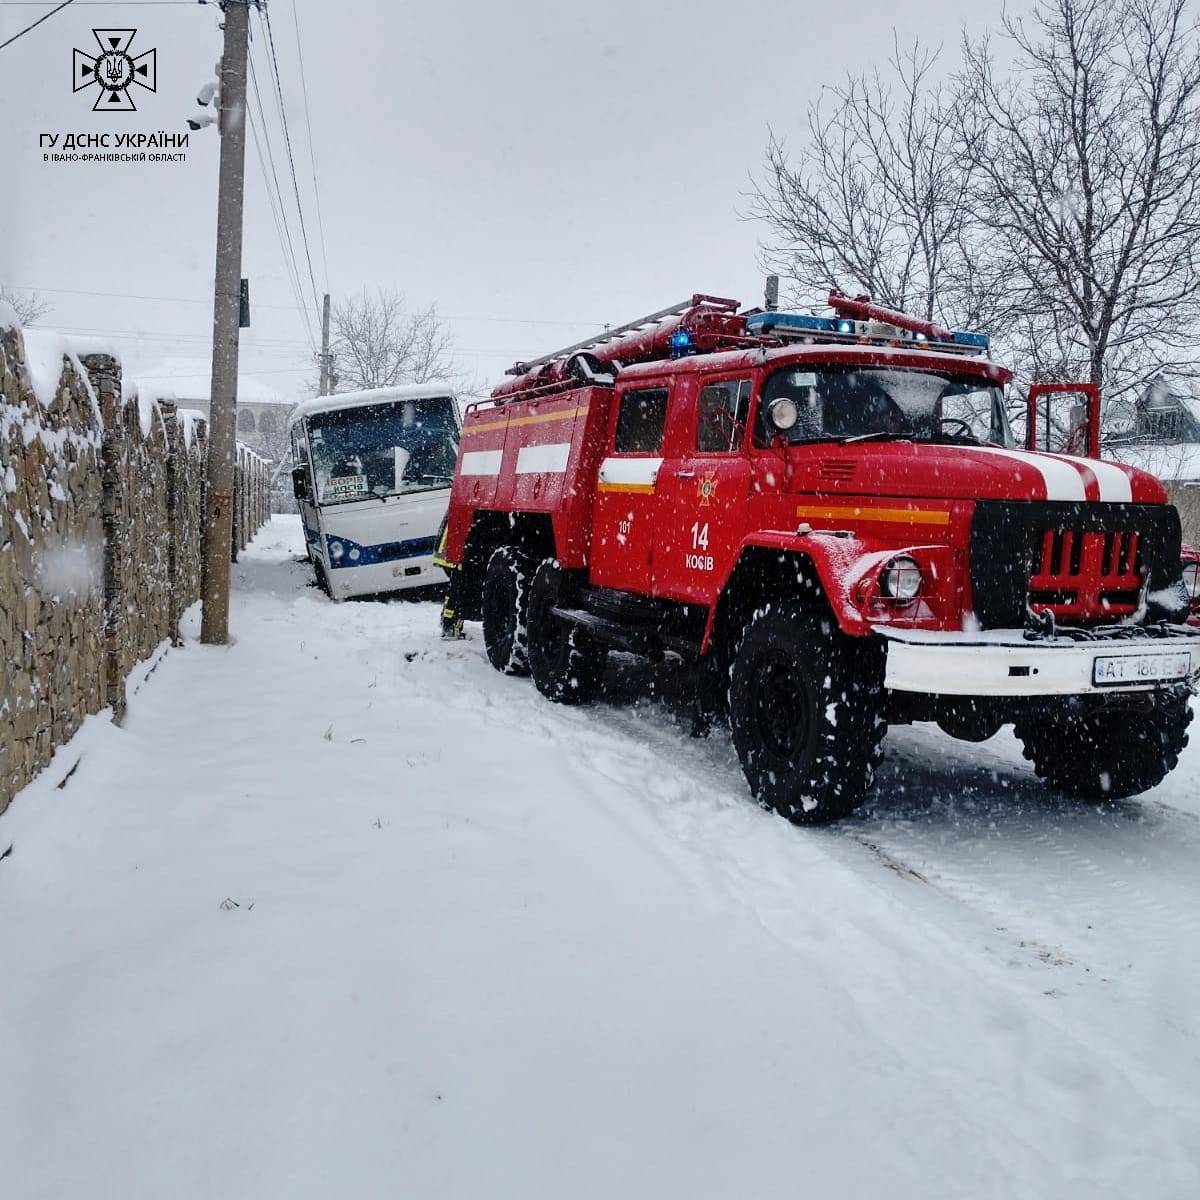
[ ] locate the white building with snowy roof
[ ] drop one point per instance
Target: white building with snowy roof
(262, 412)
(1165, 441)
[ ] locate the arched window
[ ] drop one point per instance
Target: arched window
(245, 421)
(266, 421)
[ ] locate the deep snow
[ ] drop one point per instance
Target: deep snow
(341, 911)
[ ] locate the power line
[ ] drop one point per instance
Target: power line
(273, 344)
(265, 18)
(312, 158)
(292, 307)
(282, 228)
(43, 17)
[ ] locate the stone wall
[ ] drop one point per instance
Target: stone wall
(101, 518)
(1186, 497)
(51, 564)
(251, 499)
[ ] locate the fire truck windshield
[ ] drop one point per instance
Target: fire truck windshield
(848, 403)
(382, 450)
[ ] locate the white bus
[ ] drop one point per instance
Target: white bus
(371, 472)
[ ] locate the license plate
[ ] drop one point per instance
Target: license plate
(1141, 668)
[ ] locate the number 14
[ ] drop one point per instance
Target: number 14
(700, 536)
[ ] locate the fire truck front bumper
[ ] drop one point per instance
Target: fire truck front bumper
(1015, 663)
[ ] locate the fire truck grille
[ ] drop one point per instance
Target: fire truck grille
(1085, 563)
(1084, 575)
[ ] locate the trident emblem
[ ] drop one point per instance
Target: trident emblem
(114, 70)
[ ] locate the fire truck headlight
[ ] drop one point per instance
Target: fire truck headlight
(336, 550)
(900, 578)
(783, 413)
(1191, 579)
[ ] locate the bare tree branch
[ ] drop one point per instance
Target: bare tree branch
(874, 199)
(1085, 164)
(30, 307)
(378, 342)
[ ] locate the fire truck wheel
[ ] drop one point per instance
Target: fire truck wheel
(806, 708)
(566, 662)
(1110, 754)
(506, 611)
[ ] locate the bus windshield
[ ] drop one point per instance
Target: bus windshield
(389, 449)
(852, 403)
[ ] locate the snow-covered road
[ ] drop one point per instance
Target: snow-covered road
(341, 911)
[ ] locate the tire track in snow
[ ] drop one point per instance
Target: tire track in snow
(899, 934)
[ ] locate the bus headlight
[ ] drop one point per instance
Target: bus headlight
(900, 578)
(355, 554)
(336, 550)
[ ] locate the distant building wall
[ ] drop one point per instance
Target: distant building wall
(261, 425)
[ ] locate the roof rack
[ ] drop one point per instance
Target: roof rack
(716, 302)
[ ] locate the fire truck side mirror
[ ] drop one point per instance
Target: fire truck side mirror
(1041, 430)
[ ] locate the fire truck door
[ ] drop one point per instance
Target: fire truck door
(623, 520)
(702, 495)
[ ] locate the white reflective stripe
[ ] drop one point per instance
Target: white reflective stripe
(481, 462)
(1061, 479)
(630, 470)
(550, 458)
(1114, 483)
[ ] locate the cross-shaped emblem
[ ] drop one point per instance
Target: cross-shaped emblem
(115, 70)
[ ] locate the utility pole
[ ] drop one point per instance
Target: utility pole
(325, 346)
(222, 434)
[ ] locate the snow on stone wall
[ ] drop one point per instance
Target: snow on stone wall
(101, 513)
(51, 562)
(1186, 498)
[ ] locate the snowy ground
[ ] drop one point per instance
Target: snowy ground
(342, 912)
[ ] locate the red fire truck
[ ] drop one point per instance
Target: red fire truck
(830, 517)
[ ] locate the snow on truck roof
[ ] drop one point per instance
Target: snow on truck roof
(412, 391)
(833, 351)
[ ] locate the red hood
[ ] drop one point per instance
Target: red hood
(907, 469)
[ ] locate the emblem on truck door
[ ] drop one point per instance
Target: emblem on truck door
(706, 487)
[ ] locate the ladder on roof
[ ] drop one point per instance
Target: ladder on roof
(673, 310)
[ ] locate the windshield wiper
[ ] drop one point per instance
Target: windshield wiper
(878, 436)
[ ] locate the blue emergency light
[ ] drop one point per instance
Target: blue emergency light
(786, 323)
(681, 343)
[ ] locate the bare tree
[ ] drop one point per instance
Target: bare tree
(30, 307)
(874, 198)
(1085, 165)
(377, 341)
(274, 441)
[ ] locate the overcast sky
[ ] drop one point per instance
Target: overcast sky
(559, 163)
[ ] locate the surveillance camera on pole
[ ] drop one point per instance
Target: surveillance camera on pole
(208, 98)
